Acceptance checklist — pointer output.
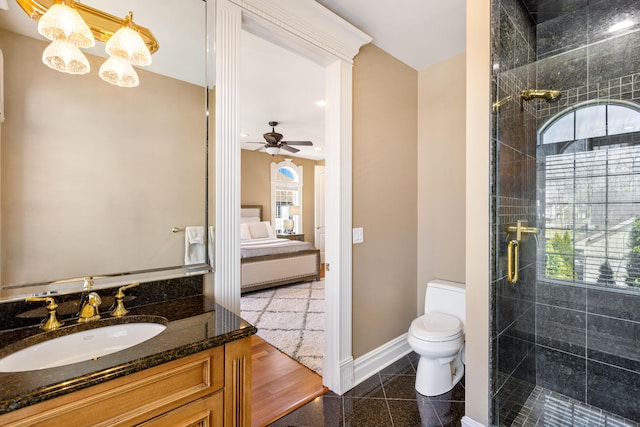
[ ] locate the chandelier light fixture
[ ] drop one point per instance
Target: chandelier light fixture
(118, 72)
(65, 58)
(63, 25)
(125, 48)
(71, 25)
(128, 45)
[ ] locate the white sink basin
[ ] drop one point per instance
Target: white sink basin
(79, 346)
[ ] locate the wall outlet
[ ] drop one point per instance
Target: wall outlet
(358, 235)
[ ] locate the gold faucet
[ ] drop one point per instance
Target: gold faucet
(89, 309)
(52, 323)
(120, 311)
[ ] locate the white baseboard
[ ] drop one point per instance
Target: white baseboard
(379, 358)
(468, 422)
(346, 375)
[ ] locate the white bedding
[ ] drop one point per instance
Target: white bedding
(270, 246)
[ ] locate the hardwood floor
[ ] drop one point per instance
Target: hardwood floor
(279, 384)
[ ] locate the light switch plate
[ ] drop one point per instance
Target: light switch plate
(358, 235)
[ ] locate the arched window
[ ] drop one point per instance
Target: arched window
(591, 120)
(286, 197)
(589, 193)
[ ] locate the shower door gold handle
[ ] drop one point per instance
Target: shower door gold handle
(512, 261)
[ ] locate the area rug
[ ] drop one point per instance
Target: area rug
(291, 318)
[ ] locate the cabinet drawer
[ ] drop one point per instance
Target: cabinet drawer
(132, 399)
(207, 412)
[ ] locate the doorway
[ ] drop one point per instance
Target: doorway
(281, 88)
(331, 42)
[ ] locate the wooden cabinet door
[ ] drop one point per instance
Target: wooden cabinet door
(207, 412)
(129, 400)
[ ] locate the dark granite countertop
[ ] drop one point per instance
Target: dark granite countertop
(195, 323)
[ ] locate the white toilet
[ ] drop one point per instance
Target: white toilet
(438, 337)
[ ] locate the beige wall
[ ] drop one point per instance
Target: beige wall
(95, 176)
(256, 186)
(255, 183)
(477, 217)
(441, 174)
(384, 198)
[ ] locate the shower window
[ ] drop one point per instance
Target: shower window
(590, 173)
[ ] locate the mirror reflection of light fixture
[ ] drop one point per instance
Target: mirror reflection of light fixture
(65, 58)
(272, 150)
(118, 72)
(127, 44)
(620, 26)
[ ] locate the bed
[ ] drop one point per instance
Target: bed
(268, 261)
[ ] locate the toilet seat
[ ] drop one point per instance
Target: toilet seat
(436, 327)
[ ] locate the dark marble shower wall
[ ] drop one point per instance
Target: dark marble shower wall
(587, 338)
(513, 199)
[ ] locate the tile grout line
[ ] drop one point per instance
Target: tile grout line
(386, 401)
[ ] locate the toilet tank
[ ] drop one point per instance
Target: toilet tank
(446, 297)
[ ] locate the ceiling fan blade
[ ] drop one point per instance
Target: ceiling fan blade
(252, 142)
(289, 149)
(297, 142)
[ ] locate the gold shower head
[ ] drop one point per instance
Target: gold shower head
(547, 95)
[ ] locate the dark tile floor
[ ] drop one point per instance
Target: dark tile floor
(388, 398)
(520, 404)
(548, 408)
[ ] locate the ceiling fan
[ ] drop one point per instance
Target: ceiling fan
(274, 142)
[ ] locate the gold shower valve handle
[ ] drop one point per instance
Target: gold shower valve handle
(519, 229)
(513, 250)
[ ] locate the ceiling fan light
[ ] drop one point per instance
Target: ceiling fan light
(127, 44)
(273, 150)
(62, 22)
(65, 58)
(119, 73)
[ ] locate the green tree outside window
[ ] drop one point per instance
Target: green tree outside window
(560, 257)
(633, 265)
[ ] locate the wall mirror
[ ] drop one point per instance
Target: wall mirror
(94, 177)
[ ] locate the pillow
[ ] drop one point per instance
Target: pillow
(272, 233)
(247, 219)
(245, 234)
(261, 230)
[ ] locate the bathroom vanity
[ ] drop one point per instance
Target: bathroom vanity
(197, 372)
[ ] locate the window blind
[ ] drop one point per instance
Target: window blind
(591, 224)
